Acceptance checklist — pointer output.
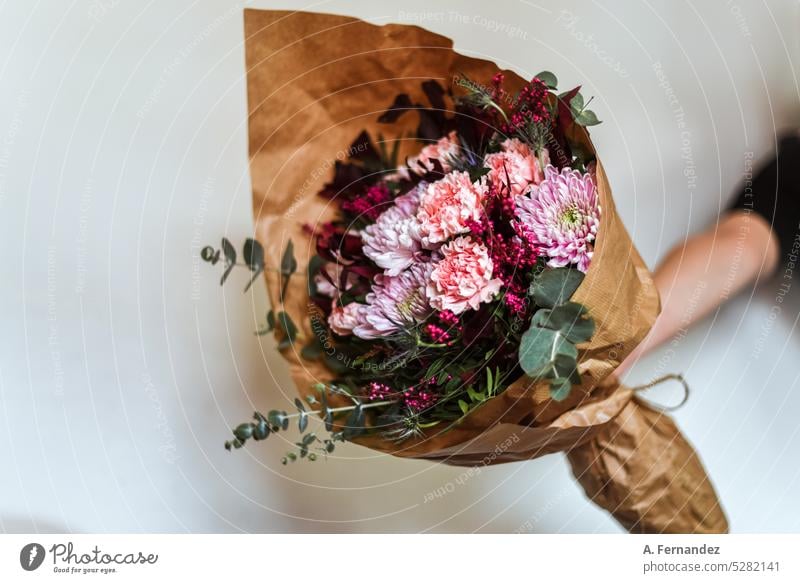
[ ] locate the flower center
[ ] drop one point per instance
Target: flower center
(571, 217)
(404, 307)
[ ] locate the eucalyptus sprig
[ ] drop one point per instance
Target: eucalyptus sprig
(548, 348)
(253, 255)
(276, 421)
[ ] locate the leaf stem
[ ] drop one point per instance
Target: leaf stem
(347, 408)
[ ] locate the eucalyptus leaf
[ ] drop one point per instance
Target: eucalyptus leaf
(560, 389)
(539, 348)
(261, 431)
(253, 254)
(570, 319)
(254, 257)
(288, 265)
(302, 422)
(548, 79)
(229, 250)
(587, 118)
(278, 420)
(230, 259)
(312, 350)
(209, 254)
(577, 103)
(244, 431)
(289, 330)
(555, 286)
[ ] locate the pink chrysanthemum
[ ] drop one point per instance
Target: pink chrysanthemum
(448, 207)
(515, 169)
(395, 302)
(463, 278)
(393, 241)
(561, 215)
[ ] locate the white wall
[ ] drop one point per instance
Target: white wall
(123, 363)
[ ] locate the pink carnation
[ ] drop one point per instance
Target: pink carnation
(392, 242)
(395, 302)
(561, 216)
(449, 206)
(516, 164)
(343, 319)
(444, 151)
(463, 277)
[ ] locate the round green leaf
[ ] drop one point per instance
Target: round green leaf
(555, 286)
(560, 389)
(539, 348)
(570, 319)
(548, 79)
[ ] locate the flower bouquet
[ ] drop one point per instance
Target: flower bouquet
(454, 282)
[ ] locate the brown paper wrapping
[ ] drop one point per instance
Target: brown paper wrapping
(314, 82)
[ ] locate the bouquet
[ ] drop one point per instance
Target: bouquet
(447, 278)
(454, 282)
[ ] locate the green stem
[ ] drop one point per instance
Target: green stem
(347, 408)
(430, 345)
(498, 108)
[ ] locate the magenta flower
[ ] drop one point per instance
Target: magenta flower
(561, 216)
(393, 241)
(394, 303)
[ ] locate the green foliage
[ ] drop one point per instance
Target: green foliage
(581, 115)
(555, 286)
(289, 329)
(548, 79)
(288, 266)
(569, 319)
(539, 349)
(548, 348)
(230, 259)
(309, 444)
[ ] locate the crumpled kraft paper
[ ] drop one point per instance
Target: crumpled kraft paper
(314, 82)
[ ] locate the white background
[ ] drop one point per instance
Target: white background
(123, 363)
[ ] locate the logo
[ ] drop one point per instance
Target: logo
(31, 556)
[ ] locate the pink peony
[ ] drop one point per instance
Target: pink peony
(392, 242)
(343, 319)
(444, 151)
(463, 277)
(516, 164)
(448, 207)
(561, 216)
(395, 302)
